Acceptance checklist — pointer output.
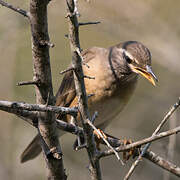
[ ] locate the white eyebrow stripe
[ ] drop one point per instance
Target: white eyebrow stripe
(128, 54)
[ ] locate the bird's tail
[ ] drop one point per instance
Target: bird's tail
(32, 150)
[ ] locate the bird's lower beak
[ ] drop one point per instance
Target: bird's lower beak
(148, 74)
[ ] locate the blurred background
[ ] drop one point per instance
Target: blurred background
(154, 23)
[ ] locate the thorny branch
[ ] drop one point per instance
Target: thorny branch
(24, 109)
(18, 10)
(80, 88)
(115, 142)
(44, 92)
(167, 116)
(31, 117)
(46, 124)
(9, 106)
(139, 143)
(161, 162)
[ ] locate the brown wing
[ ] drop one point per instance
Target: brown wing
(67, 93)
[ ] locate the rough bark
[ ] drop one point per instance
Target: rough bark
(80, 89)
(44, 91)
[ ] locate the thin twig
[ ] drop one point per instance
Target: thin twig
(141, 142)
(20, 11)
(151, 156)
(78, 50)
(114, 141)
(89, 77)
(95, 115)
(171, 145)
(66, 70)
(168, 115)
(173, 108)
(104, 139)
(88, 23)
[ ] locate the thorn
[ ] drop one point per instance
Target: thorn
(32, 82)
(88, 23)
(95, 115)
(89, 77)
(67, 70)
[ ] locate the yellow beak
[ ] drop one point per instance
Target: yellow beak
(148, 74)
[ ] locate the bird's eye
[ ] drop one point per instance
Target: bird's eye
(128, 59)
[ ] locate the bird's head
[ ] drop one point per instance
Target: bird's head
(138, 59)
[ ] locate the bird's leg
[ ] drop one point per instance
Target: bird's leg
(127, 154)
(132, 152)
(80, 141)
(98, 138)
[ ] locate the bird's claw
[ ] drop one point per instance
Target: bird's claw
(99, 138)
(131, 152)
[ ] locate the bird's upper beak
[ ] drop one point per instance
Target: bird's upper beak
(147, 73)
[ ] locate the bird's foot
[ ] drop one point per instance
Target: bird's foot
(80, 141)
(99, 137)
(131, 152)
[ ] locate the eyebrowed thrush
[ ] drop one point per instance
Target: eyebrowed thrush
(116, 71)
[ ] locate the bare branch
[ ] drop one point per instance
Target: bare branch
(115, 142)
(141, 142)
(105, 140)
(173, 108)
(69, 127)
(18, 10)
(167, 116)
(171, 145)
(30, 116)
(9, 106)
(161, 162)
(77, 61)
(151, 156)
(44, 92)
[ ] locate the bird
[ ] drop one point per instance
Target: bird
(115, 71)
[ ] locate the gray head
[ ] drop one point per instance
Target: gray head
(138, 58)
